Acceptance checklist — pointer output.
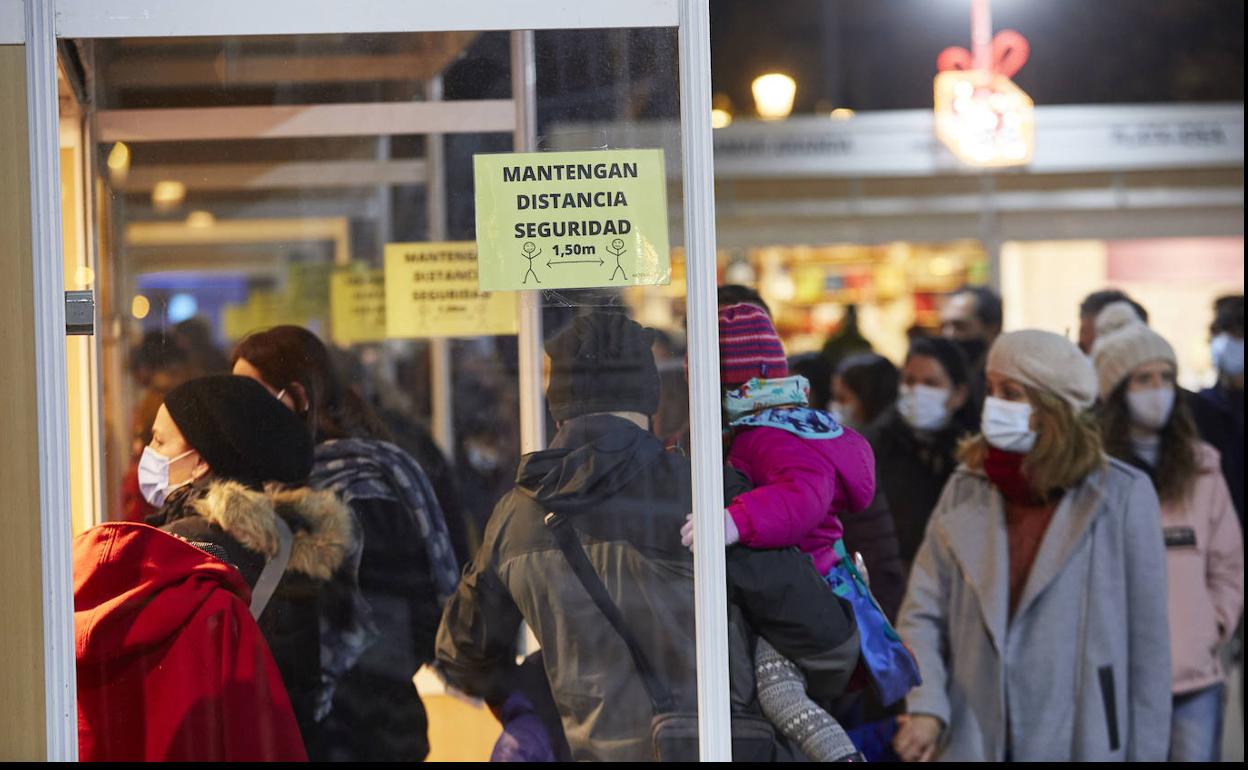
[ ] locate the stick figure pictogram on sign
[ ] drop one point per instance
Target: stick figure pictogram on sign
(530, 253)
(616, 249)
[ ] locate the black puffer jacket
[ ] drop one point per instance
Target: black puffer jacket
(627, 498)
(910, 475)
(871, 533)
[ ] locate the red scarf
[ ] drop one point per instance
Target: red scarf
(1005, 471)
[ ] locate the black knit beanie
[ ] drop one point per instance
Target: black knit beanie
(602, 362)
(241, 430)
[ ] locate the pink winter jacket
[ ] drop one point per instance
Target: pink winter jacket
(1205, 569)
(800, 485)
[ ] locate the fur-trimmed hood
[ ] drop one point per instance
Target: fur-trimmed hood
(321, 523)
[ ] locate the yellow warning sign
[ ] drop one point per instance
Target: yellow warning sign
(569, 220)
(357, 306)
(432, 291)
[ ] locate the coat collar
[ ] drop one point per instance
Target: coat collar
(977, 537)
(1071, 522)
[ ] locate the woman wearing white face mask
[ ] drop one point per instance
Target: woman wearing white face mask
(408, 565)
(1037, 602)
(202, 637)
(1144, 424)
(864, 387)
(229, 466)
(916, 441)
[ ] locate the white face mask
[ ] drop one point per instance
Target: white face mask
(1007, 425)
(154, 476)
(924, 407)
(1228, 354)
(842, 413)
(1150, 409)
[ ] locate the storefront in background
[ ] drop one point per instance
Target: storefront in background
(871, 210)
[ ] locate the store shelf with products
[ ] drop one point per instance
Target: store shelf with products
(895, 286)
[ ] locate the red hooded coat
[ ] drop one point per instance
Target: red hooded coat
(171, 666)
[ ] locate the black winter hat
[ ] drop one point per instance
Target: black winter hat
(602, 362)
(241, 430)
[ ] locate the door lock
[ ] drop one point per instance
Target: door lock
(80, 312)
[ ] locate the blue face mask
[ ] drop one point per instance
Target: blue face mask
(1228, 354)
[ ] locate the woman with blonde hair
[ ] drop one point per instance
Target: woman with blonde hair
(1145, 424)
(1037, 602)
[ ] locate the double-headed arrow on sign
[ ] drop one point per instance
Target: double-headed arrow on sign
(597, 262)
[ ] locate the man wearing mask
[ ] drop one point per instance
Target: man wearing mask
(971, 317)
(1227, 348)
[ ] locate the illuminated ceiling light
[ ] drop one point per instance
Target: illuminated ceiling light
(140, 307)
(119, 162)
(181, 307)
(773, 95)
(842, 113)
(721, 110)
(84, 275)
(200, 220)
(167, 195)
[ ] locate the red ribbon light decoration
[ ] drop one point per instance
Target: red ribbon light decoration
(981, 115)
(1009, 53)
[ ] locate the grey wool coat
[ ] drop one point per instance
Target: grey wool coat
(1082, 670)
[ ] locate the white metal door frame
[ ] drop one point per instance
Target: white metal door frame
(48, 20)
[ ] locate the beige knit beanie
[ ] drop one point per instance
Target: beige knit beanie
(1115, 316)
(1045, 361)
(1124, 343)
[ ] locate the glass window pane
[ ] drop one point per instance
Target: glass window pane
(228, 245)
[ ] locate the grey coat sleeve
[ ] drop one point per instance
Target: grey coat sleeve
(1148, 635)
(924, 617)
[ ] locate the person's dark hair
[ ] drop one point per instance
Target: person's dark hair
(157, 350)
(873, 379)
(1177, 462)
(736, 294)
(195, 336)
(945, 352)
(818, 370)
(988, 308)
(1228, 315)
(290, 355)
(1097, 301)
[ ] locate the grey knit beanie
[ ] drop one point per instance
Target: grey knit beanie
(1123, 344)
(1047, 362)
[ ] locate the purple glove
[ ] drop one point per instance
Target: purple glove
(524, 737)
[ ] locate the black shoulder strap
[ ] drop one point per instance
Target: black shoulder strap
(568, 541)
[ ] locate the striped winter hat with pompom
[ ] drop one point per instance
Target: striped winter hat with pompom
(749, 346)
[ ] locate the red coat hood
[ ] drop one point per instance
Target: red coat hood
(135, 587)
